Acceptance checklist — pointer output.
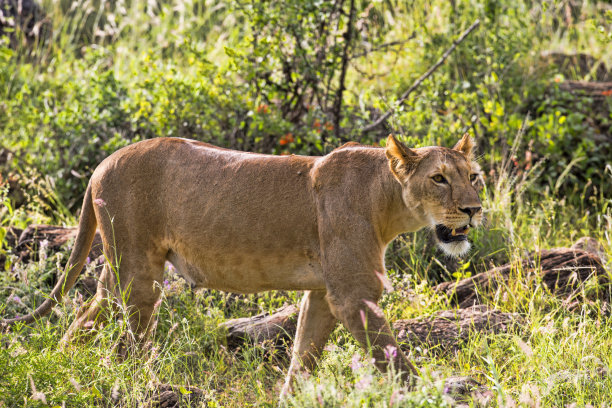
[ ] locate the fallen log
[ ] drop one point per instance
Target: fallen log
(561, 270)
(175, 396)
(26, 15)
(53, 239)
(450, 328)
(446, 328)
(596, 90)
(273, 328)
(577, 65)
(11, 238)
(467, 392)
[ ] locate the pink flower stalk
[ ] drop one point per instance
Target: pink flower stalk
(385, 281)
(390, 352)
(396, 398)
(364, 383)
(363, 317)
(100, 202)
(320, 399)
(356, 362)
(374, 308)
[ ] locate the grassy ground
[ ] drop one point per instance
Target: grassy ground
(167, 68)
(556, 358)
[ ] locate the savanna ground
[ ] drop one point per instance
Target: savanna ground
(304, 77)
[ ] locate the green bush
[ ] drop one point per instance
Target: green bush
(267, 77)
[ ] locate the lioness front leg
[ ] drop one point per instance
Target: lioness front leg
(360, 314)
(353, 291)
(315, 323)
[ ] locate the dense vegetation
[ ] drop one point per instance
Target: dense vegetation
(303, 77)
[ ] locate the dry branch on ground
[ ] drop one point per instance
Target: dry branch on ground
(445, 328)
(596, 90)
(276, 327)
(561, 270)
(54, 238)
(174, 396)
(25, 244)
(448, 328)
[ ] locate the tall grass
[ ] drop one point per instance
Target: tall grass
(556, 357)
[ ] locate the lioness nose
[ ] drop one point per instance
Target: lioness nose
(470, 210)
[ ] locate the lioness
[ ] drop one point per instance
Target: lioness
(246, 222)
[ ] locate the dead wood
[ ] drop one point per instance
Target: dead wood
(276, 328)
(175, 396)
(561, 270)
(446, 328)
(467, 392)
(53, 238)
(25, 15)
(577, 65)
(449, 328)
(596, 90)
(11, 239)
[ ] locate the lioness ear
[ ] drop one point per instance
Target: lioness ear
(402, 159)
(465, 146)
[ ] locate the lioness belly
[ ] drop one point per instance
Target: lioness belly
(248, 273)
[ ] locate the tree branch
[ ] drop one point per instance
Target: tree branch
(422, 78)
(381, 47)
(348, 39)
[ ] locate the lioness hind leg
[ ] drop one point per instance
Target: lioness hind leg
(93, 313)
(143, 296)
(315, 323)
(132, 285)
(136, 284)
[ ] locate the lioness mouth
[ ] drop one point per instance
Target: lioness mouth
(446, 234)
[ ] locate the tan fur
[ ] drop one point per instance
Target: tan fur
(247, 222)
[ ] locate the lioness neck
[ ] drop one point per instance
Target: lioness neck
(398, 216)
(361, 175)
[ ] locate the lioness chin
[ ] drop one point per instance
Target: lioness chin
(246, 222)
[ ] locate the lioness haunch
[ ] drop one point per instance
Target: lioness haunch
(247, 222)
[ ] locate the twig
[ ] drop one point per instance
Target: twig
(422, 78)
(381, 47)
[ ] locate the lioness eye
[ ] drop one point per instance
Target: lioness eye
(438, 178)
(473, 177)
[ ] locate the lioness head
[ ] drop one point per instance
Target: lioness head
(442, 185)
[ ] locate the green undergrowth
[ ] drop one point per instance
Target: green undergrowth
(554, 356)
(108, 74)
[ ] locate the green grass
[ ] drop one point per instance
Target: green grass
(555, 358)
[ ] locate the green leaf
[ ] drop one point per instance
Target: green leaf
(94, 390)
(184, 391)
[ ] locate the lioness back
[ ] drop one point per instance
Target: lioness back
(228, 220)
